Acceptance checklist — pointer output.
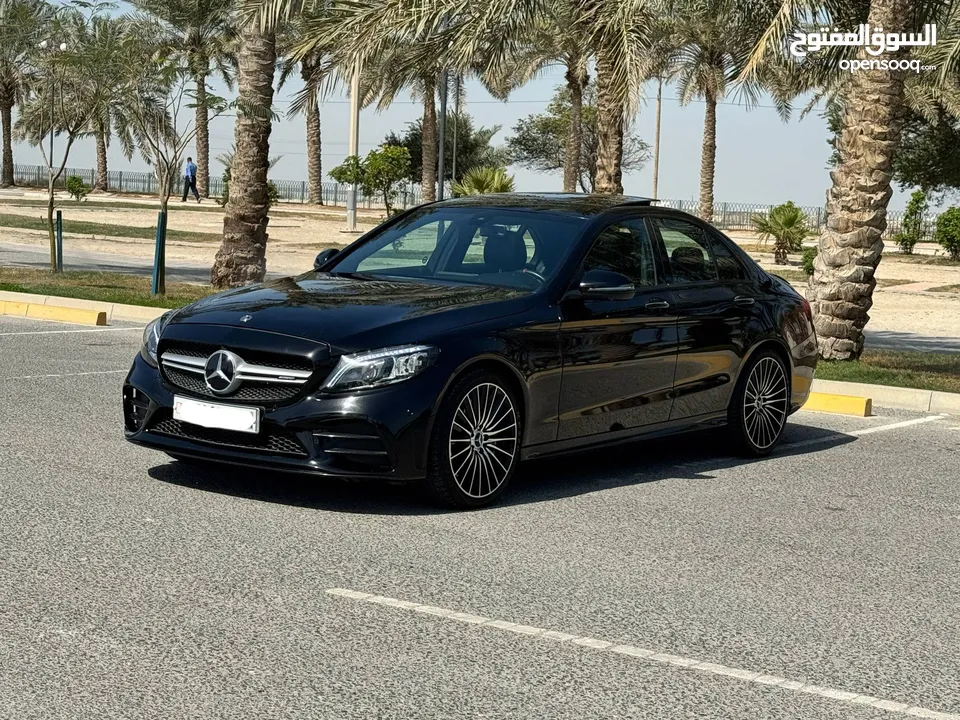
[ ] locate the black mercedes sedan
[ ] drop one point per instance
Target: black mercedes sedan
(463, 336)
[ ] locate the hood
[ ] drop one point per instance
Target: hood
(355, 312)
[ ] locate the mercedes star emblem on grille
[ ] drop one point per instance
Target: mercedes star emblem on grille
(246, 318)
(220, 372)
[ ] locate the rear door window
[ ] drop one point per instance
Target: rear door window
(689, 254)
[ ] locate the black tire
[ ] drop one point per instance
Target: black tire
(755, 427)
(470, 463)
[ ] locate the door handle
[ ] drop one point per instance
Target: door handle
(657, 305)
(744, 300)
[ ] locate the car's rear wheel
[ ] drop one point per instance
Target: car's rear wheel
(760, 405)
(475, 445)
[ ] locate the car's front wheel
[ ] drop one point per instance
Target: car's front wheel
(760, 405)
(475, 444)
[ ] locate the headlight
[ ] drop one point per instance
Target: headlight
(151, 336)
(380, 367)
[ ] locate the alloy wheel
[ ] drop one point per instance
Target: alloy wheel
(483, 440)
(765, 402)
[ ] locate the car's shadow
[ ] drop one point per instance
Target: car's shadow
(692, 456)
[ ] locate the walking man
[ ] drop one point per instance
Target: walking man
(190, 180)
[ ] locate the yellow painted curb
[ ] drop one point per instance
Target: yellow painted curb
(840, 404)
(53, 312)
(13, 308)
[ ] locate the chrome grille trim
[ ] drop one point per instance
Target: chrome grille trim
(244, 370)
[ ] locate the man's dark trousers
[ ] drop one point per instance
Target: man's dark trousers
(190, 184)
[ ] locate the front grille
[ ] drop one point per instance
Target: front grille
(277, 360)
(191, 380)
(250, 391)
(267, 443)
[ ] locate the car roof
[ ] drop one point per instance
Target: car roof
(581, 204)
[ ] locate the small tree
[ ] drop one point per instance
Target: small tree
(77, 188)
(539, 141)
(380, 173)
(911, 226)
(483, 181)
(786, 225)
(948, 231)
(58, 101)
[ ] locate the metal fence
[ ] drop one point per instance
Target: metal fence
(126, 181)
(739, 216)
(726, 216)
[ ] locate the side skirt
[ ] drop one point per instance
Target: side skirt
(673, 427)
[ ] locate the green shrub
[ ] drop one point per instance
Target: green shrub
(77, 188)
(948, 231)
(912, 224)
(483, 181)
(809, 255)
(273, 193)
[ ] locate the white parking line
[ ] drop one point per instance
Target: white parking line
(895, 426)
(864, 431)
(77, 374)
(58, 332)
(843, 696)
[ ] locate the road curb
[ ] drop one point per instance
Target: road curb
(901, 398)
(41, 311)
(111, 311)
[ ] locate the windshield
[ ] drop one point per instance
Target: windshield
(505, 247)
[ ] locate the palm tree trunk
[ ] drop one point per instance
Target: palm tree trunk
(241, 258)
(6, 119)
(571, 153)
(314, 147)
(850, 247)
(100, 183)
(609, 128)
(203, 137)
(428, 182)
(708, 158)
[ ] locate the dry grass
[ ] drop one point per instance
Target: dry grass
(103, 286)
(927, 371)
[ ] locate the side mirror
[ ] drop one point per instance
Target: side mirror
(606, 285)
(324, 257)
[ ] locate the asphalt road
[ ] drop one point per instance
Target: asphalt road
(132, 586)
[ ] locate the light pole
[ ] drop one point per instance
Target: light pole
(444, 79)
(56, 264)
(353, 146)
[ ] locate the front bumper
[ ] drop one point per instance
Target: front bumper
(373, 434)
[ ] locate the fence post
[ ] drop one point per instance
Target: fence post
(303, 191)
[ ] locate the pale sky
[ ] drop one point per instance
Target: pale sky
(760, 159)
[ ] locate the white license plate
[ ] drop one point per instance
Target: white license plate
(212, 415)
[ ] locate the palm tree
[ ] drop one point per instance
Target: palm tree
(241, 258)
(101, 39)
(203, 34)
(786, 225)
(548, 42)
(484, 180)
(20, 24)
(315, 70)
(873, 110)
(711, 43)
